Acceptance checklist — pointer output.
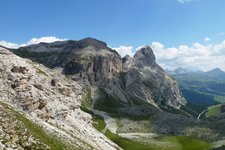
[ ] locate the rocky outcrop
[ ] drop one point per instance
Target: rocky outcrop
(91, 63)
(146, 80)
(87, 60)
(145, 58)
(143, 80)
(49, 99)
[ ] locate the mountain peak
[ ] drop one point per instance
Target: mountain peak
(180, 70)
(216, 73)
(145, 56)
(92, 42)
(217, 70)
(83, 45)
(125, 58)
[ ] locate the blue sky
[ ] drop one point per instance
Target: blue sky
(128, 23)
(118, 22)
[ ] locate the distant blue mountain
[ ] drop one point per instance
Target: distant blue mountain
(216, 74)
(199, 87)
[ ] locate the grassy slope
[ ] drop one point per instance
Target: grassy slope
(213, 110)
(87, 99)
(163, 142)
(49, 139)
(187, 143)
(98, 122)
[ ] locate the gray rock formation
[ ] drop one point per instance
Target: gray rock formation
(91, 63)
(49, 99)
(147, 81)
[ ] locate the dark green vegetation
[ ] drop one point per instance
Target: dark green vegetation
(38, 132)
(198, 98)
(98, 122)
(201, 89)
(87, 99)
(193, 109)
(107, 102)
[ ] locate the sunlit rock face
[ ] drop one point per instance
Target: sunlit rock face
(49, 99)
(91, 62)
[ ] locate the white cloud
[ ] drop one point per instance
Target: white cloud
(125, 50)
(139, 47)
(184, 1)
(30, 42)
(49, 39)
(207, 39)
(204, 57)
(9, 44)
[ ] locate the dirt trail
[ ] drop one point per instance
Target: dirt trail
(199, 116)
(110, 122)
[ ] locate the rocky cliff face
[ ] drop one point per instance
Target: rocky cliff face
(146, 80)
(88, 60)
(48, 99)
(91, 63)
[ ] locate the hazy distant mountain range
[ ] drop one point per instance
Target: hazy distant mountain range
(215, 74)
(199, 87)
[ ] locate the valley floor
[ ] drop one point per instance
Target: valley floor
(145, 140)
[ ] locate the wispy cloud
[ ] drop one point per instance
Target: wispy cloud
(202, 56)
(207, 39)
(184, 1)
(8, 44)
(205, 57)
(124, 50)
(127, 50)
(220, 34)
(47, 39)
